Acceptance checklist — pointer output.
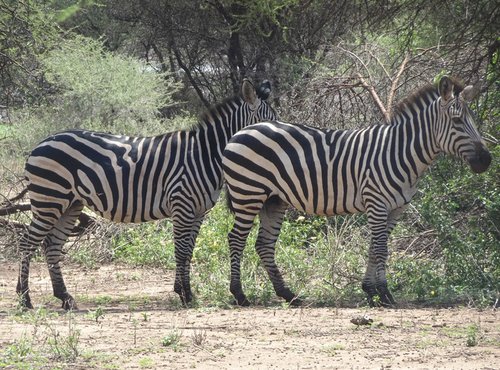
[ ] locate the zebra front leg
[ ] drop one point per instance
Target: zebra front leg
(185, 233)
(375, 281)
(271, 218)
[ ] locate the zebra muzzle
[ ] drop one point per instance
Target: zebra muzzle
(481, 159)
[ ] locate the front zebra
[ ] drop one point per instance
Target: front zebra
(270, 165)
(132, 179)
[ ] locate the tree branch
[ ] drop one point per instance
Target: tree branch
(394, 84)
(375, 97)
(190, 77)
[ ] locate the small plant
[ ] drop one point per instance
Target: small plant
(199, 337)
(146, 363)
(18, 353)
(103, 300)
(333, 348)
(135, 324)
(472, 334)
(65, 348)
(97, 314)
(145, 316)
(172, 339)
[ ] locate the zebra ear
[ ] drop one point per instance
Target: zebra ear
(248, 92)
(446, 88)
(264, 90)
(470, 92)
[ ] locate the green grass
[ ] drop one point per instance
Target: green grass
(5, 130)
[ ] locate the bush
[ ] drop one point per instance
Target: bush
(90, 83)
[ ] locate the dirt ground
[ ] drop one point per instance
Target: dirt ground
(141, 326)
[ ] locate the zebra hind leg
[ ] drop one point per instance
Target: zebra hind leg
(40, 231)
(29, 243)
(185, 233)
(52, 246)
(271, 218)
(237, 238)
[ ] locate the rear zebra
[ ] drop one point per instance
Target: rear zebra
(375, 170)
(132, 179)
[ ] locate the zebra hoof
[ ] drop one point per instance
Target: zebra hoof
(296, 302)
(185, 295)
(289, 296)
(24, 301)
(386, 299)
(69, 304)
(242, 302)
(186, 299)
(382, 301)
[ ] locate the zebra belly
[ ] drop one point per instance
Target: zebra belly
(325, 204)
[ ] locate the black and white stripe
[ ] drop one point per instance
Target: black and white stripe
(132, 179)
(375, 170)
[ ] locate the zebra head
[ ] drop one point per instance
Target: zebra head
(257, 101)
(457, 134)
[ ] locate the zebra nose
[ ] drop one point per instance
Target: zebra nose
(481, 160)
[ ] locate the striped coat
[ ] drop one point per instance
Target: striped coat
(373, 170)
(132, 179)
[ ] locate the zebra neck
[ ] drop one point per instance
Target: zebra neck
(415, 126)
(218, 125)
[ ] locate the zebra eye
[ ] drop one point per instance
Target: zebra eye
(457, 120)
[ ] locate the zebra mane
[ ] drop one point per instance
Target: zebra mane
(215, 109)
(425, 92)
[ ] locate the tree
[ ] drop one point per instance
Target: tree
(26, 30)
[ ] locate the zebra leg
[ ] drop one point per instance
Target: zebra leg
(185, 233)
(52, 246)
(271, 218)
(237, 240)
(30, 240)
(375, 281)
(393, 217)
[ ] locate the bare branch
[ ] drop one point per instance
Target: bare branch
(17, 226)
(375, 97)
(394, 84)
(18, 196)
(358, 59)
(14, 208)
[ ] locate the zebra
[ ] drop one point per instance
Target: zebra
(132, 180)
(374, 170)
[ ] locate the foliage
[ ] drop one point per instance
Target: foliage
(27, 28)
(172, 339)
(45, 344)
(93, 83)
(94, 89)
(463, 209)
(20, 353)
(146, 244)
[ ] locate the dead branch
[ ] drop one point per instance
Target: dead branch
(85, 222)
(14, 208)
(375, 97)
(18, 196)
(17, 226)
(10, 208)
(394, 84)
